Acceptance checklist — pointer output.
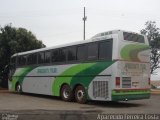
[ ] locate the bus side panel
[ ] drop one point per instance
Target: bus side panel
(49, 79)
(18, 77)
(101, 86)
(41, 79)
(39, 85)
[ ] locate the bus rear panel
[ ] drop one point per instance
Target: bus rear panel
(132, 79)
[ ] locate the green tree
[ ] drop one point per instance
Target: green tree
(13, 40)
(153, 35)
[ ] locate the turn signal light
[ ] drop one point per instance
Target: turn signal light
(149, 81)
(117, 81)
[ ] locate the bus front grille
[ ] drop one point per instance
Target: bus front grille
(100, 89)
(126, 82)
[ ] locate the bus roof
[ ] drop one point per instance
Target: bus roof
(97, 37)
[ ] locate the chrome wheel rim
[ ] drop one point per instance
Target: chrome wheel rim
(80, 94)
(66, 93)
(18, 88)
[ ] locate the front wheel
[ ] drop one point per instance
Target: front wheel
(19, 88)
(80, 94)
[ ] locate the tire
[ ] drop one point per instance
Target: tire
(19, 88)
(66, 93)
(80, 95)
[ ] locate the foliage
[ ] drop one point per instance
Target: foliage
(13, 40)
(153, 35)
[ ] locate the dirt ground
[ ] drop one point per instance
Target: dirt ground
(40, 107)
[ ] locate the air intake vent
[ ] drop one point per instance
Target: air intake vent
(126, 82)
(100, 89)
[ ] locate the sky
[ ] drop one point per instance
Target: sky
(60, 21)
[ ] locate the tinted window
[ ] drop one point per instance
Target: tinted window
(47, 57)
(133, 37)
(62, 55)
(71, 53)
(13, 60)
(32, 59)
(58, 55)
(92, 51)
(22, 60)
(105, 50)
(81, 52)
(54, 55)
(41, 57)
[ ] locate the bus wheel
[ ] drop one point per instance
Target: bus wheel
(66, 93)
(80, 95)
(19, 88)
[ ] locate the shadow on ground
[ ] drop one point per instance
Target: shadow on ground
(93, 104)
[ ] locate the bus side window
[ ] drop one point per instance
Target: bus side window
(71, 53)
(47, 56)
(62, 55)
(22, 60)
(59, 55)
(41, 58)
(92, 51)
(13, 62)
(105, 50)
(32, 59)
(81, 52)
(19, 60)
(54, 55)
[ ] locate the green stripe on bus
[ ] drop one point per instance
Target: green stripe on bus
(82, 74)
(120, 96)
(91, 72)
(71, 72)
(20, 76)
(130, 52)
(130, 97)
(132, 92)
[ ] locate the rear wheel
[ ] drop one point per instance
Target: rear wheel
(66, 93)
(80, 94)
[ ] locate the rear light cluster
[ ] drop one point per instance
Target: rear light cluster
(118, 82)
(149, 81)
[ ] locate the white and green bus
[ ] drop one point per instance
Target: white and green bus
(111, 66)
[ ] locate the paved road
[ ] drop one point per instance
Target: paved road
(39, 107)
